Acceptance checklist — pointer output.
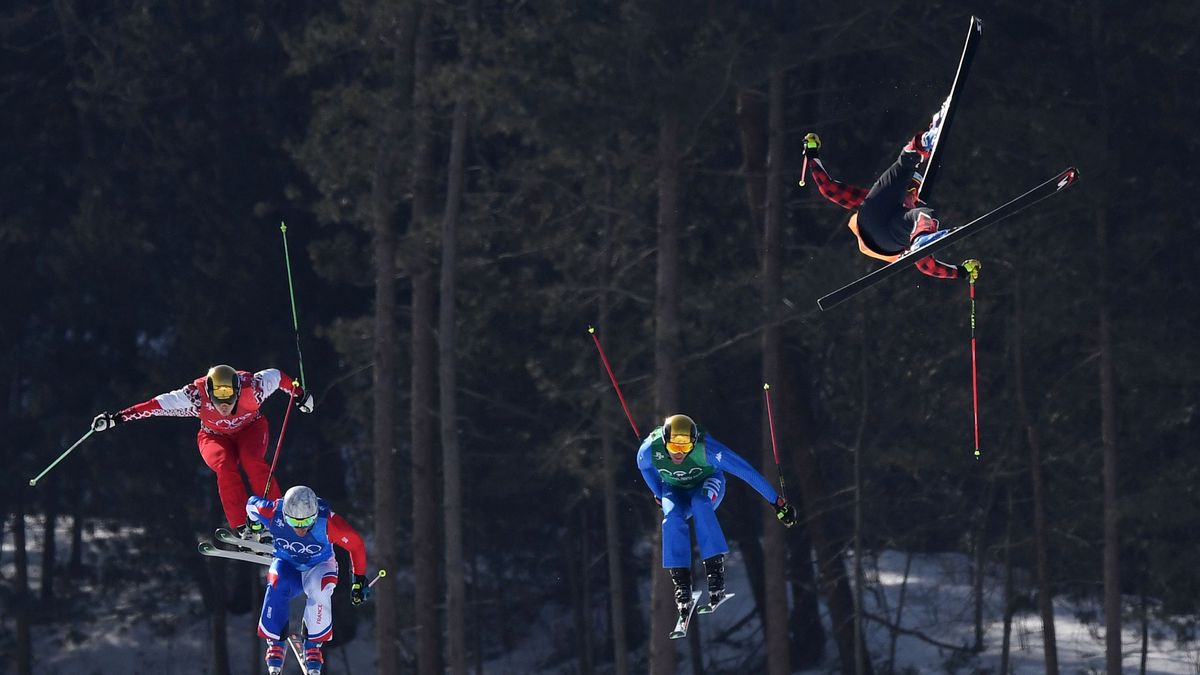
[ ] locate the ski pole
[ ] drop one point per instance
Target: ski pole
(616, 386)
(279, 444)
(292, 295)
(382, 574)
(803, 168)
(774, 447)
(33, 481)
(974, 372)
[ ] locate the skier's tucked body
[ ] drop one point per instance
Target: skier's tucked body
(685, 469)
(233, 431)
(888, 219)
(304, 531)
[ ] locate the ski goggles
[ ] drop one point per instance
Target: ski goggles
(300, 523)
(224, 393)
(680, 445)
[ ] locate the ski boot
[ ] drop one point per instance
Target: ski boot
(923, 143)
(714, 569)
(313, 659)
(274, 657)
(252, 531)
(925, 232)
(682, 578)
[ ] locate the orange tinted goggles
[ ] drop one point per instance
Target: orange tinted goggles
(683, 446)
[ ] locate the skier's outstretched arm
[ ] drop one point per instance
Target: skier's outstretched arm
(182, 402)
(720, 456)
(843, 194)
(270, 380)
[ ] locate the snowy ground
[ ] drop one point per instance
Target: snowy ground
(937, 604)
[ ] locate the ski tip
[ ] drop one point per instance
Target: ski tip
(976, 24)
(1069, 178)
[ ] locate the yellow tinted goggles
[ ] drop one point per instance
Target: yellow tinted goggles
(680, 445)
(223, 392)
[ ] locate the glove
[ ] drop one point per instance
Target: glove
(970, 269)
(105, 421)
(304, 400)
(359, 590)
(812, 145)
(785, 512)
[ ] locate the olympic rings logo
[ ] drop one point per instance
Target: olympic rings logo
(298, 547)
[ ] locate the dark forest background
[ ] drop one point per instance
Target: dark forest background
(469, 185)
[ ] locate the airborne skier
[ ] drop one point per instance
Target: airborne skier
(685, 468)
(889, 219)
(305, 530)
(233, 431)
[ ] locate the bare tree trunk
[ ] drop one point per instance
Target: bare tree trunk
(383, 199)
(583, 604)
(1108, 386)
(1009, 599)
(1040, 530)
(666, 363)
(21, 600)
(456, 645)
(426, 511)
(217, 618)
(1112, 514)
(75, 557)
(49, 540)
(612, 518)
(894, 634)
(779, 659)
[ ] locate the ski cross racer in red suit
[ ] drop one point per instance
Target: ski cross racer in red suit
(233, 431)
(305, 531)
(888, 219)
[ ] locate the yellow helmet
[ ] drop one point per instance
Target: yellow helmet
(679, 433)
(223, 384)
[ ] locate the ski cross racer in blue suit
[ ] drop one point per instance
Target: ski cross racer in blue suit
(305, 530)
(685, 469)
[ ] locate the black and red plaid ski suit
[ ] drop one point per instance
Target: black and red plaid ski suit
(889, 217)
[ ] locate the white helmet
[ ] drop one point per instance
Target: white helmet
(300, 506)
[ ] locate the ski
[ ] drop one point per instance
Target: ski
(974, 32)
(1053, 186)
(209, 549)
(228, 536)
(710, 608)
(681, 625)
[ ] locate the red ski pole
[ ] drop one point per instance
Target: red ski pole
(974, 372)
(616, 386)
(774, 446)
(279, 444)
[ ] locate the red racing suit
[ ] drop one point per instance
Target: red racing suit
(226, 442)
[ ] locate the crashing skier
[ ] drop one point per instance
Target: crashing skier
(889, 220)
(685, 469)
(233, 431)
(304, 531)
